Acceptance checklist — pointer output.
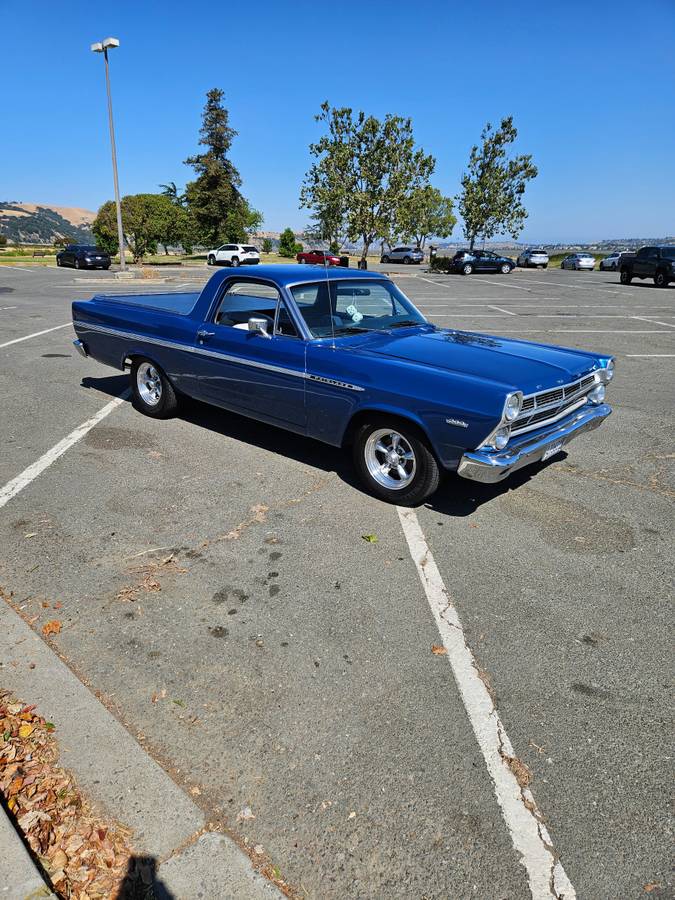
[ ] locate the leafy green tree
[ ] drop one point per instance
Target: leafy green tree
(147, 219)
(220, 212)
(364, 171)
(288, 246)
(426, 213)
(3, 240)
(267, 245)
(493, 187)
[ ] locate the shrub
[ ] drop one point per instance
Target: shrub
(267, 245)
(288, 246)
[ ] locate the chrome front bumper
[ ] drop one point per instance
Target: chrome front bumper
(492, 466)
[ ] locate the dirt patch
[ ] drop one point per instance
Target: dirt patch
(568, 525)
(109, 437)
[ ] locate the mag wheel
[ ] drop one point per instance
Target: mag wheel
(467, 269)
(234, 261)
(395, 463)
(211, 261)
(385, 259)
(505, 269)
(153, 392)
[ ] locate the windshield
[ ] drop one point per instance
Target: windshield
(353, 306)
(668, 252)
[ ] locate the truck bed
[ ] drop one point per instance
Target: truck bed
(180, 304)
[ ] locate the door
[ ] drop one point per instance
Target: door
(258, 375)
(641, 266)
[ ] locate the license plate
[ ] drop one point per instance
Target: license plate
(552, 450)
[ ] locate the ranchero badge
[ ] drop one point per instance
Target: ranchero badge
(459, 422)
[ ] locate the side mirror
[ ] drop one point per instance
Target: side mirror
(258, 326)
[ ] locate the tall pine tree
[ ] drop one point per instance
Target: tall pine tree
(216, 204)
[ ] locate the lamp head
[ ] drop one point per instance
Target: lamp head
(110, 42)
(97, 48)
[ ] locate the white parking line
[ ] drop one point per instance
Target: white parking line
(13, 487)
(499, 309)
(651, 355)
(35, 334)
(3, 308)
(15, 269)
(530, 837)
(653, 322)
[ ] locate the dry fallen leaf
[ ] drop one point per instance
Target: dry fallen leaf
(652, 886)
(438, 650)
(370, 538)
(26, 731)
(52, 627)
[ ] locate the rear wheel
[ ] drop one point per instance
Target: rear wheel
(234, 261)
(625, 277)
(211, 261)
(58, 261)
(467, 269)
(77, 264)
(660, 279)
(302, 261)
(406, 260)
(153, 392)
(385, 259)
(395, 462)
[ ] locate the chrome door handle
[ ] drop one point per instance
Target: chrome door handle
(202, 334)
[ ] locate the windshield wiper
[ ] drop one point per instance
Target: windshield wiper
(405, 323)
(350, 329)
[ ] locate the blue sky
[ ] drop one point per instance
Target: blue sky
(591, 86)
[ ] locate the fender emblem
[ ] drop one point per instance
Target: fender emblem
(458, 422)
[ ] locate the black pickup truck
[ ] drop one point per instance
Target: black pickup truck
(649, 262)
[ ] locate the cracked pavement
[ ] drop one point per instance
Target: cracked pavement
(290, 661)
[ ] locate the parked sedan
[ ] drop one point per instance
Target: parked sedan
(468, 261)
(318, 258)
(406, 255)
(83, 256)
(578, 261)
(533, 258)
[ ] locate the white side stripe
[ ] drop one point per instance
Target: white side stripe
(35, 334)
(546, 876)
(13, 487)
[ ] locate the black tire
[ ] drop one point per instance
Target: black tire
(467, 269)
(505, 269)
(234, 262)
(661, 279)
(406, 260)
(58, 261)
(427, 474)
(545, 266)
(168, 401)
(385, 260)
(105, 268)
(625, 277)
(211, 261)
(302, 262)
(77, 264)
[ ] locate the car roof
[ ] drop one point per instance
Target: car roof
(288, 274)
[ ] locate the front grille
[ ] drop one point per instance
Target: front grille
(546, 405)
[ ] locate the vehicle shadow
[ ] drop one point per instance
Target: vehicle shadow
(456, 497)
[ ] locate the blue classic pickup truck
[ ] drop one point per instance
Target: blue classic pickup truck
(346, 358)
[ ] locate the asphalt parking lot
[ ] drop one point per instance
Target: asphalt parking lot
(218, 566)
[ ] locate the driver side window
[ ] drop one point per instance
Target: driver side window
(244, 300)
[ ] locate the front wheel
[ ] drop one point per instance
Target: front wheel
(505, 269)
(467, 269)
(625, 277)
(406, 260)
(77, 264)
(153, 392)
(395, 463)
(545, 266)
(385, 260)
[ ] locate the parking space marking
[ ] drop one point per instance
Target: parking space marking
(652, 322)
(651, 355)
(3, 308)
(35, 334)
(499, 309)
(530, 837)
(16, 485)
(15, 269)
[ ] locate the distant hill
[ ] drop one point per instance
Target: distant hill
(35, 223)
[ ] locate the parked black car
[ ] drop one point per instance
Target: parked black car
(468, 261)
(649, 262)
(83, 256)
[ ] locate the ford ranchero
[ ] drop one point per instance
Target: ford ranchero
(346, 358)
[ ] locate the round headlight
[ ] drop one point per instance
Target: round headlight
(512, 407)
(606, 373)
(597, 395)
(501, 438)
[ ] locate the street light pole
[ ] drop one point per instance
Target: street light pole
(103, 47)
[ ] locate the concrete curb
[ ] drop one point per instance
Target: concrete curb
(118, 774)
(19, 876)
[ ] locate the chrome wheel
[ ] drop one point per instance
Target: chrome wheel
(390, 459)
(149, 383)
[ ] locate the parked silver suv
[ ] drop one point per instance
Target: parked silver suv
(405, 255)
(533, 258)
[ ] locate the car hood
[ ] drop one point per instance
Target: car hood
(519, 365)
